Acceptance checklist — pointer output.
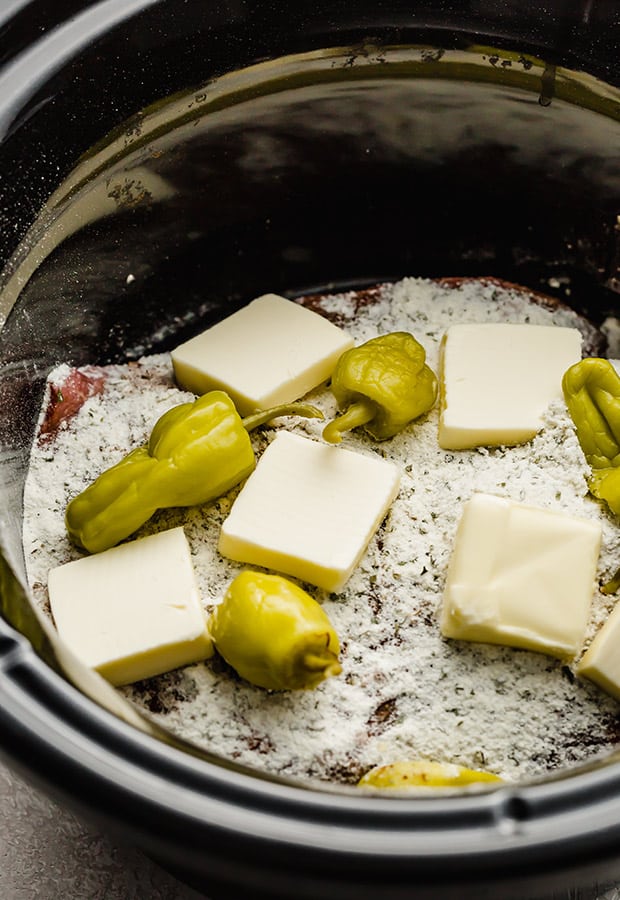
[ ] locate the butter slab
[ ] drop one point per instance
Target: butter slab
(133, 611)
(269, 352)
(601, 661)
(520, 576)
(498, 379)
(309, 510)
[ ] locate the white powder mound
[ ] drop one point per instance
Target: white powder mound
(405, 692)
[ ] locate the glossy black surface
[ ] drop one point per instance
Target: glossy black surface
(82, 68)
(367, 166)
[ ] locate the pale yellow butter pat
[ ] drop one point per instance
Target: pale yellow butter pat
(309, 510)
(520, 576)
(497, 380)
(601, 661)
(270, 352)
(133, 611)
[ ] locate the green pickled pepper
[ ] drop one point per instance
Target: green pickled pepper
(382, 385)
(592, 393)
(196, 452)
(422, 773)
(274, 634)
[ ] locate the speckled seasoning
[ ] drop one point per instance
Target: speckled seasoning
(404, 691)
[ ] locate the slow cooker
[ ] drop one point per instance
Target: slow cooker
(213, 152)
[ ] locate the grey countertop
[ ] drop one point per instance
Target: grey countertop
(48, 854)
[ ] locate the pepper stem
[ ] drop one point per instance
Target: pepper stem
(327, 663)
(318, 666)
(357, 414)
(262, 416)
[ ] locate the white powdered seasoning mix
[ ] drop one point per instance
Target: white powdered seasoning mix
(404, 692)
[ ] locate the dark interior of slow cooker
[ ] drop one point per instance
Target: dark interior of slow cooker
(362, 173)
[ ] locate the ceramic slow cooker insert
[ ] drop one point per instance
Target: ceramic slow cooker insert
(219, 154)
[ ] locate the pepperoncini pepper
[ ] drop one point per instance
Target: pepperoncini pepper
(423, 774)
(383, 385)
(274, 634)
(592, 393)
(196, 452)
